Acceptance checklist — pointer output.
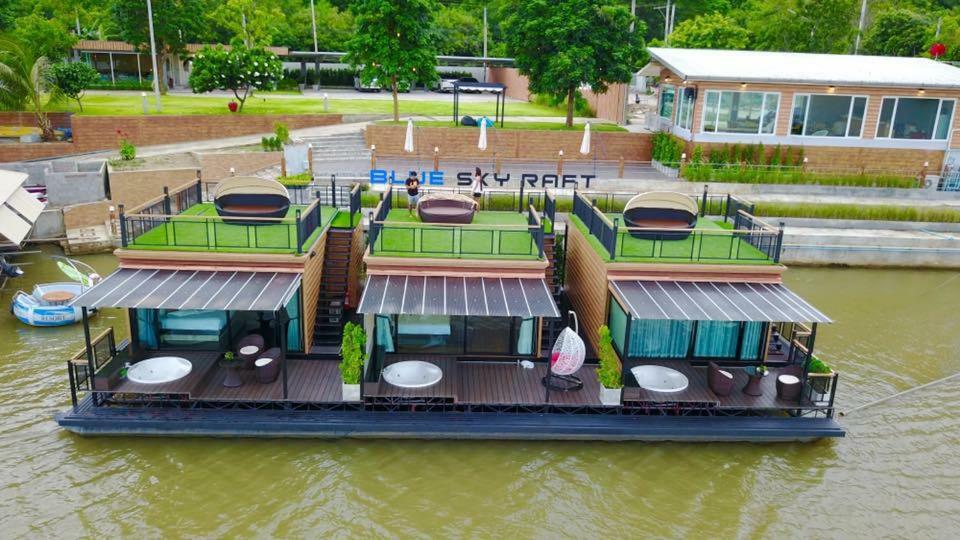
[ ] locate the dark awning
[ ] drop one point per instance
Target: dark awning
(192, 289)
(708, 301)
(439, 295)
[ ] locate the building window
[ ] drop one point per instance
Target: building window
(668, 96)
(740, 112)
(618, 325)
(822, 115)
(915, 118)
(685, 107)
(660, 338)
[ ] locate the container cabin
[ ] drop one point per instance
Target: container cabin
(459, 318)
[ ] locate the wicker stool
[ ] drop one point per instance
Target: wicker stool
(788, 387)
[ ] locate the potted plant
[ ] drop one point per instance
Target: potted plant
(609, 372)
(232, 105)
(231, 363)
(762, 370)
(819, 374)
(353, 353)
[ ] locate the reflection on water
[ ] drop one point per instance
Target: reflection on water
(896, 474)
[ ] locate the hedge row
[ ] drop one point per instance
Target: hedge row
(769, 175)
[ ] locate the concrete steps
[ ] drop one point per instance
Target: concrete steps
(339, 146)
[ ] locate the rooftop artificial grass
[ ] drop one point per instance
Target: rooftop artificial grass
(404, 235)
(694, 249)
(184, 234)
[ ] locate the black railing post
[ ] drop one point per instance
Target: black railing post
(85, 315)
(167, 209)
(703, 207)
(299, 232)
(123, 225)
(199, 188)
(776, 255)
(373, 234)
(726, 210)
(333, 190)
(612, 248)
(541, 235)
(520, 206)
(73, 385)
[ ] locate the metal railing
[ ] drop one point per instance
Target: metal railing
(699, 245)
(453, 240)
(83, 366)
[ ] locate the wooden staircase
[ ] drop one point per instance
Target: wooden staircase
(328, 327)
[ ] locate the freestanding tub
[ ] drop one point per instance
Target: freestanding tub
(161, 369)
(660, 379)
(412, 374)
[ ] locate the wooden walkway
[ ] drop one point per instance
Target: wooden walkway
(202, 362)
(506, 383)
(699, 392)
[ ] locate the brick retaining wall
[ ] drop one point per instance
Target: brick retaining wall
(522, 144)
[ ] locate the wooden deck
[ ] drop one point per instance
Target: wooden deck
(203, 362)
(445, 389)
(506, 383)
(698, 392)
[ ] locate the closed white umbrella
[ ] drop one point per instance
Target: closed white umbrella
(585, 143)
(483, 134)
(408, 142)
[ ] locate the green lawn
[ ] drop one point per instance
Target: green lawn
(129, 103)
(542, 126)
(706, 248)
(185, 234)
(405, 235)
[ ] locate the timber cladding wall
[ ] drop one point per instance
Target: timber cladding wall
(356, 267)
(586, 285)
(78, 216)
(133, 188)
(507, 144)
(215, 166)
(310, 287)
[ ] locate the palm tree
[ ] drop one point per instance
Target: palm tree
(25, 83)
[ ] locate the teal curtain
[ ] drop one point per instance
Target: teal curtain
(294, 333)
(525, 337)
(147, 328)
(717, 339)
(384, 334)
(752, 337)
(660, 338)
(618, 324)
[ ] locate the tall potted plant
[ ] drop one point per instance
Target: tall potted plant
(609, 372)
(819, 375)
(352, 356)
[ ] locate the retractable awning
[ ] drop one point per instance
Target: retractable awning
(708, 301)
(192, 289)
(439, 295)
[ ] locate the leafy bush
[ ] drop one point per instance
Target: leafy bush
(580, 105)
(817, 366)
(609, 371)
(239, 70)
(128, 152)
(302, 179)
(271, 144)
(858, 211)
(667, 148)
(73, 79)
(121, 85)
(774, 174)
(353, 353)
(282, 132)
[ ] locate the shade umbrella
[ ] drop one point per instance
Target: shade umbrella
(408, 142)
(585, 143)
(482, 144)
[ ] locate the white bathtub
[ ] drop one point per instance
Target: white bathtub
(660, 379)
(161, 369)
(412, 374)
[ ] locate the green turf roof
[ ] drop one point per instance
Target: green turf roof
(184, 234)
(694, 249)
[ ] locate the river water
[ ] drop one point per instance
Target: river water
(896, 474)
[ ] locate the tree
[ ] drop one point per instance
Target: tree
(73, 79)
(255, 23)
(897, 32)
(47, 37)
(175, 23)
(949, 36)
(460, 32)
(25, 83)
(713, 31)
(562, 45)
(394, 43)
(239, 70)
(818, 26)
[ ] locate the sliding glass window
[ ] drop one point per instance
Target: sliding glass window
(668, 96)
(915, 118)
(740, 112)
(685, 107)
(827, 115)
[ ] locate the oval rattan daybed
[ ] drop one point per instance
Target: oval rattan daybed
(661, 210)
(446, 208)
(251, 197)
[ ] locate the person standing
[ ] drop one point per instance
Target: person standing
(477, 186)
(413, 192)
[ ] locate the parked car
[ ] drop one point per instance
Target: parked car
(446, 85)
(372, 86)
(468, 80)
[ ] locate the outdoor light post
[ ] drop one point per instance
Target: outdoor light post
(153, 56)
(326, 102)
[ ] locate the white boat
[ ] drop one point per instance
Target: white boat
(49, 303)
